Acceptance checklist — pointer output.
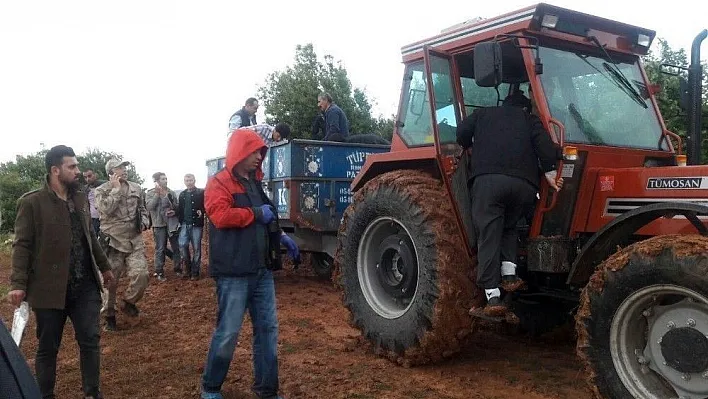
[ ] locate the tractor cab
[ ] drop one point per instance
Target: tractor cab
(584, 77)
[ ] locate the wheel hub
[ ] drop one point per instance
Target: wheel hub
(396, 267)
(678, 347)
(387, 265)
(685, 349)
(659, 343)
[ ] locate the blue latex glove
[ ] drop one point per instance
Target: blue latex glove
(293, 250)
(266, 215)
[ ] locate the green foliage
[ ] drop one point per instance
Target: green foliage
(290, 95)
(96, 159)
(12, 186)
(669, 97)
(27, 173)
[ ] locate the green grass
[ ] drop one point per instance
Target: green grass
(5, 243)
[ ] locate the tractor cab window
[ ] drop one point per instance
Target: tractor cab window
(415, 121)
(444, 99)
(415, 113)
(590, 96)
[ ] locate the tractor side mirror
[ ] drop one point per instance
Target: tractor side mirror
(488, 64)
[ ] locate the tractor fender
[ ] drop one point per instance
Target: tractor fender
(619, 231)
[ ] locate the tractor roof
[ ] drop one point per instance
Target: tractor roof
(569, 25)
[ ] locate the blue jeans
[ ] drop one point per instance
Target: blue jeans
(191, 234)
(234, 295)
(161, 236)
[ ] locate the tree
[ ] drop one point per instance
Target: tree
(668, 98)
(290, 95)
(96, 159)
(27, 173)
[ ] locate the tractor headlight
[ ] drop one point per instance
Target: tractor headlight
(549, 21)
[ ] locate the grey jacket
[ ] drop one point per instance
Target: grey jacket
(158, 207)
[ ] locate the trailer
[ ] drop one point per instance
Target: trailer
(309, 183)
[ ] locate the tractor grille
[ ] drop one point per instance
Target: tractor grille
(618, 206)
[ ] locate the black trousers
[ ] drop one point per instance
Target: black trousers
(83, 308)
(498, 203)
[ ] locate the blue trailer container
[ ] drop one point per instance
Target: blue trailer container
(308, 181)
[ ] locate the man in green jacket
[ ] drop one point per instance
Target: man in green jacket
(57, 266)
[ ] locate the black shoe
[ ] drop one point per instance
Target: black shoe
(111, 323)
(130, 309)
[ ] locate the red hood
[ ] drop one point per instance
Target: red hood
(242, 143)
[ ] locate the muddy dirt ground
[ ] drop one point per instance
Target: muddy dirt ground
(321, 356)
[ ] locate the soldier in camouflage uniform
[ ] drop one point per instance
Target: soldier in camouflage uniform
(123, 218)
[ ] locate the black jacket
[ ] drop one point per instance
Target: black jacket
(508, 140)
(245, 118)
(197, 205)
(336, 122)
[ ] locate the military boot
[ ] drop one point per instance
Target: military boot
(111, 323)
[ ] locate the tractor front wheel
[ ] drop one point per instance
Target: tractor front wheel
(404, 269)
(643, 321)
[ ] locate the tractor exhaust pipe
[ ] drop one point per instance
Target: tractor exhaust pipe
(695, 80)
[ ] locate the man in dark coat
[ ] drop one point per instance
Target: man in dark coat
(57, 266)
(508, 144)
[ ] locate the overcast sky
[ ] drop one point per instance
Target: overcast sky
(157, 80)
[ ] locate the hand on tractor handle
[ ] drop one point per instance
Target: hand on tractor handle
(553, 180)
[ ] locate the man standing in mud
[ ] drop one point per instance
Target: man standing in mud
(123, 219)
(190, 213)
(57, 265)
(508, 145)
(244, 245)
(90, 189)
(162, 203)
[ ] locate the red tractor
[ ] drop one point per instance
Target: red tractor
(621, 247)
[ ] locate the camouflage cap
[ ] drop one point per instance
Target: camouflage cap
(114, 163)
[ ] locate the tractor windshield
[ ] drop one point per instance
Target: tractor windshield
(599, 101)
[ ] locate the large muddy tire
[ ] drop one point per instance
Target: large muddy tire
(404, 269)
(643, 321)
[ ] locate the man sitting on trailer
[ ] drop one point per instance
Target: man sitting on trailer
(271, 135)
(509, 145)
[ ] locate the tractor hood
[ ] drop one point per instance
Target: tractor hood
(616, 191)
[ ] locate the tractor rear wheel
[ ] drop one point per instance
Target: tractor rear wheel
(643, 321)
(404, 269)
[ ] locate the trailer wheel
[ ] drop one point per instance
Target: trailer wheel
(404, 270)
(322, 265)
(643, 321)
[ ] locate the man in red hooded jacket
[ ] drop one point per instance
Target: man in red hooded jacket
(240, 215)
